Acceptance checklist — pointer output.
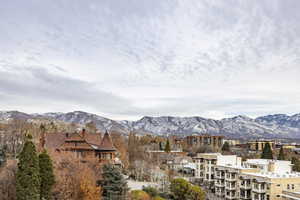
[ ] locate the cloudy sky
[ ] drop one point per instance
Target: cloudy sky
(124, 59)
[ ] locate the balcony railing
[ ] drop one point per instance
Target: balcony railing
(230, 187)
(219, 184)
(230, 196)
(259, 189)
(220, 193)
(245, 186)
(219, 176)
(230, 178)
(246, 197)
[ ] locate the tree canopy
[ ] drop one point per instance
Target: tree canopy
(267, 152)
(281, 155)
(183, 190)
(226, 146)
(2, 156)
(168, 147)
(113, 184)
(296, 164)
(139, 195)
(28, 176)
(46, 175)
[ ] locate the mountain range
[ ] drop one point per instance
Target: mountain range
(270, 126)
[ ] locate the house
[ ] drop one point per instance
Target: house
(84, 146)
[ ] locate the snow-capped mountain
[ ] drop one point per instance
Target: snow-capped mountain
(8, 115)
(279, 125)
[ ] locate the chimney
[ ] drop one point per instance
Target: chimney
(83, 133)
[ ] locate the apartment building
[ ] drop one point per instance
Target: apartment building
(258, 145)
(228, 183)
(274, 177)
(205, 164)
(255, 179)
(215, 141)
(290, 195)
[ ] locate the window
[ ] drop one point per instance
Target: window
(293, 187)
(278, 185)
(288, 186)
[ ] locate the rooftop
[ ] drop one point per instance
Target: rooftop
(274, 175)
(266, 161)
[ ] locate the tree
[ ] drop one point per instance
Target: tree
(46, 175)
(158, 198)
(8, 181)
(161, 146)
(114, 186)
(195, 193)
(151, 191)
(183, 190)
(139, 195)
(296, 164)
(179, 188)
(168, 147)
(2, 156)
(89, 189)
(281, 155)
(267, 152)
(28, 177)
(226, 146)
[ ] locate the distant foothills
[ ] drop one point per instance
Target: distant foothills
(270, 126)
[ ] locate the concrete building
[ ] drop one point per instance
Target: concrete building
(204, 140)
(228, 184)
(258, 145)
(205, 163)
(290, 195)
(255, 179)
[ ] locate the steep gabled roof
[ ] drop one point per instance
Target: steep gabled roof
(106, 143)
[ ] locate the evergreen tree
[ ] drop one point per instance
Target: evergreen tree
(281, 155)
(114, 186)
(161, 146)
(28, 177)
(296, 164)
(2, 156)
(46, 175)
(267, 152)
(226, 146)
(167, 147)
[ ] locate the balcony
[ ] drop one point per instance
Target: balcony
(219, 184)
(259, 189)
(245, 186)
(230, 186)
(231, 195)
(258, 197)
(230, 178)
(219, 176)
(220, 192)
(246, 197)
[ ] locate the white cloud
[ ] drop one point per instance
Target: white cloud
(138, 57)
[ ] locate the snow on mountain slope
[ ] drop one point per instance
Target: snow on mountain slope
(279, 126)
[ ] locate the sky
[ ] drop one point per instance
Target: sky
(124, 59)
